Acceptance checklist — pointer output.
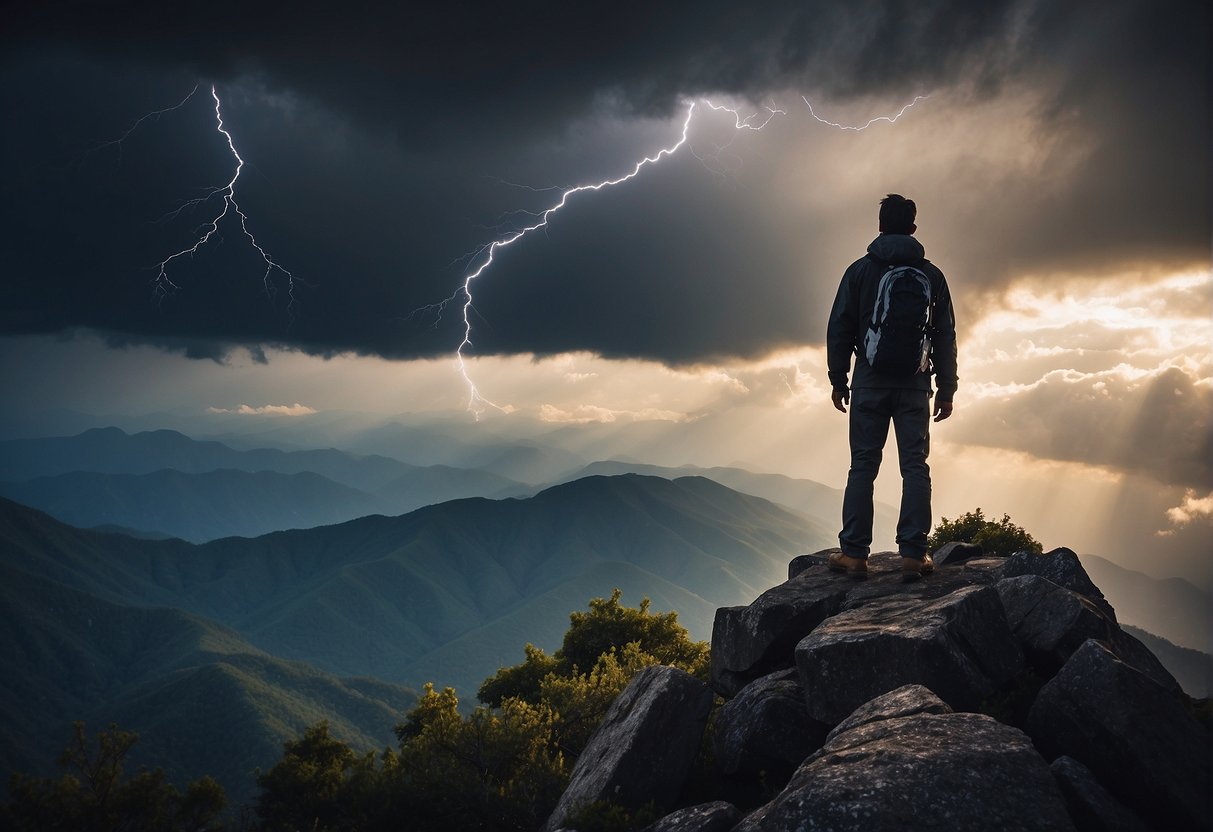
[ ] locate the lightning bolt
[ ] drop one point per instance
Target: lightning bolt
(477, 403)
(715, 162)
(154, 115)
(163, 285)
(870, 122)
(746, 123)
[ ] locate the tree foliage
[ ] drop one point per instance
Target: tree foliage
(501, 767)
(94, 795)
(607, 627)
(496, 768)
(320, 784)
(1001, 537)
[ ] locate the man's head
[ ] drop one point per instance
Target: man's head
(897, 215)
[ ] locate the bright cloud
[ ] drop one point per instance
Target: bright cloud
(1114, 372)
(1192, 508)
(295, 409)
(586, 413)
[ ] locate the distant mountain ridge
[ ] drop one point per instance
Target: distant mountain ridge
(1171, 608)
(196, 507)
(165, 482)
(819, 502)
(113, 451)
(1193, 669)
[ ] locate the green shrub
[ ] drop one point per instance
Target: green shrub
(503, 766)
(95, 793)
(493, 769)
(1000, 537)
(607, 627)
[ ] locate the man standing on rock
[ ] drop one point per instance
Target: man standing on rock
(893, 312)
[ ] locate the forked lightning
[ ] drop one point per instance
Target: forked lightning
(477, 402)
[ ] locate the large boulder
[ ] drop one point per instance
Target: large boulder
(644, 748)
(1134, 734)
(959, 645)
(1050, 622)
(767, 728)
(908, 700)
(800, 563)
(950, 554)
(718, 816)
(752, 641)
(1062, 567)
(1135, 654)
(947, 771)
(1091, 807)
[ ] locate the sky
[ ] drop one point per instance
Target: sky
(1059, 157)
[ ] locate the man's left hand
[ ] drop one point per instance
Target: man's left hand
(942, 410)
(840, 398)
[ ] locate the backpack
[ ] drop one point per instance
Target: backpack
(898, 340)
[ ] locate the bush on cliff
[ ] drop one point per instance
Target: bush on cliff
(606, 628)
(996, 537)
(501, 767)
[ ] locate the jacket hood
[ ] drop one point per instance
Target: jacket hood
(896, 248)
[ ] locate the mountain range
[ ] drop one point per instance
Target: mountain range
(166, 483)
(163, 483)
(262, 636)
(323, 607)
(1175, 609)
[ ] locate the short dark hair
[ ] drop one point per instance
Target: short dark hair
(897, 215)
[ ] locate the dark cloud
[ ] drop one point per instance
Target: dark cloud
(423, 68)
(373, 133)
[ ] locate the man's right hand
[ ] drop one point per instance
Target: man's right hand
(942, 410)
(840, 398)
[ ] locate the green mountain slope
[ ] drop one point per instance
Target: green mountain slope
(372, 597)
(820, 503)
(217, 653)
(202, 699)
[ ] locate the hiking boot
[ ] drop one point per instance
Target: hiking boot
(912, 568)
(856, 568)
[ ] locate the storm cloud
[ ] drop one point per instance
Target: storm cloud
(1155, 424)
(380, 140)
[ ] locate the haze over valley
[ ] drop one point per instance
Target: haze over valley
(173, 584)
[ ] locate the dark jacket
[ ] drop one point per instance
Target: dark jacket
(852, 313)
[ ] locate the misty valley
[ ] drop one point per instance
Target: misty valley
(223, 600)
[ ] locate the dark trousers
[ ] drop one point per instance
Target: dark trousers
(872, 409)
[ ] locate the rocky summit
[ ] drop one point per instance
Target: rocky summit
(998, 693)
